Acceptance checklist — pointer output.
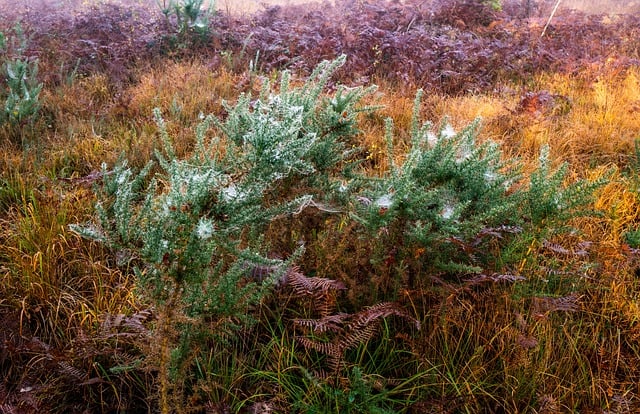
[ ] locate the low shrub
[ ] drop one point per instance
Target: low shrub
(193, 229)
(19, 87)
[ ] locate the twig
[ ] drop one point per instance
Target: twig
(550, 17)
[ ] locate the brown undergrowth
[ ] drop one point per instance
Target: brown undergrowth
(553, 327)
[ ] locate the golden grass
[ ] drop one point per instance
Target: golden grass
(56, 279)
(184, 90)
(594, 135)
(592, 122)
(603, 121)
(558, 360)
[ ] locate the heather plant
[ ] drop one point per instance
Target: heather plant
(20, 93)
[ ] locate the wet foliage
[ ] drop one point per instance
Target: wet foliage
(449, 46)
(426, 311)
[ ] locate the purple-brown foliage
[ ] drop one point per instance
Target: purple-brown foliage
(450, 46)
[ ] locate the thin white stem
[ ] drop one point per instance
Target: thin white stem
(550, 17)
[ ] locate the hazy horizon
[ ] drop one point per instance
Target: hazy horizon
(249, 6)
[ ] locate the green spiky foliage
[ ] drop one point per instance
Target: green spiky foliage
(183, 232)
(19, 87)
(442, 195)
(549, 201)
(321, 130)
(191, 228)
(452, 203)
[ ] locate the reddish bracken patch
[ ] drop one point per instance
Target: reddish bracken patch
(448, 46)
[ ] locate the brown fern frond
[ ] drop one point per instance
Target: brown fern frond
(71, 371)
(7, 409)
(382, 310)
(303, 285)
(327, 348)
(580, 250)
(360, 333)
(327, 376)
(325, 304)
(364, 324)
(494, 278)
(136, 321)
(330, 323)
(564, 304)
(556, 248)
(121, 325)
(335, 363)
(112, 322)
(382, 383)
(126, 358)
(485, 233)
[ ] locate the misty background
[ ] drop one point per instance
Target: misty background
(249, 6)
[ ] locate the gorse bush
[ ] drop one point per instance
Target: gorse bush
(450, 198)
(298, 136)
(549, 202)
(182, 230)
(189, 21)
(213, 196)
(193, 228)
(447, 189)
(20, 90)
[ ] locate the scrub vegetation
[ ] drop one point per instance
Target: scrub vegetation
(358, 207)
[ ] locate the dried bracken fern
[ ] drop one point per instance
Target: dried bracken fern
(545, 305)
(581, 249)
(310, 286)
(333, 335)
(7, 409)
(330, 323)
(72, 372)
(493, 278)
(122, 325)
